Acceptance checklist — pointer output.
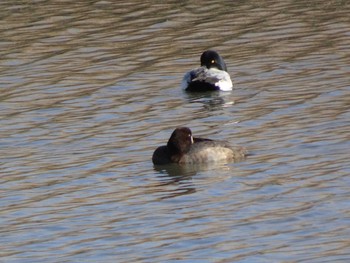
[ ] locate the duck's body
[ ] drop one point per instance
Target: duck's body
(182, 148)
(211, 75)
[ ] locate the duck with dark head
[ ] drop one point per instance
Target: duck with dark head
(211, 75)
(183, 148)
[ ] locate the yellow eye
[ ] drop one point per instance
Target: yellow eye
(213, 61)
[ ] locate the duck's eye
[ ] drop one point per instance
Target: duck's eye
(213, 61)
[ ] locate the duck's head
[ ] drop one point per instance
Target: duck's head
(180, 140)
(211, 59)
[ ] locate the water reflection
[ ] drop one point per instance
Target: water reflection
(211, 101)
(181, 177)
(178, 177)
(189, 170)
(174, 170)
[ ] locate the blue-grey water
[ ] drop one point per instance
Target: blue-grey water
(90, 88)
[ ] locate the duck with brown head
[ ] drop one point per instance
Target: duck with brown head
(183, 148)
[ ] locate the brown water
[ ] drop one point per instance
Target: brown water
(90, 88)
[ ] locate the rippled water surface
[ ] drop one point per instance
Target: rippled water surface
(90, 88)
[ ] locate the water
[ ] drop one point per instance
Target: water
(89, 89)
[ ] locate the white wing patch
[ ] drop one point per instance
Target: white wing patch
(223, 82)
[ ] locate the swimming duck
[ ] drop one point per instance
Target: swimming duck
(183, 148)
(211, 75)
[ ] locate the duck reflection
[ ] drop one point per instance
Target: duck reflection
(178, 176)
(175, 170)
(211, 100)
(181, 176)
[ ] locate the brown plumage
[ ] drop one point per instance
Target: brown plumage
(182, 148)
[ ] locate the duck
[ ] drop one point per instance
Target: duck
(210, 76)
(183, 148)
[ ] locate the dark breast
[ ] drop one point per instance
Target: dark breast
(201, 86)
(161, 155)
